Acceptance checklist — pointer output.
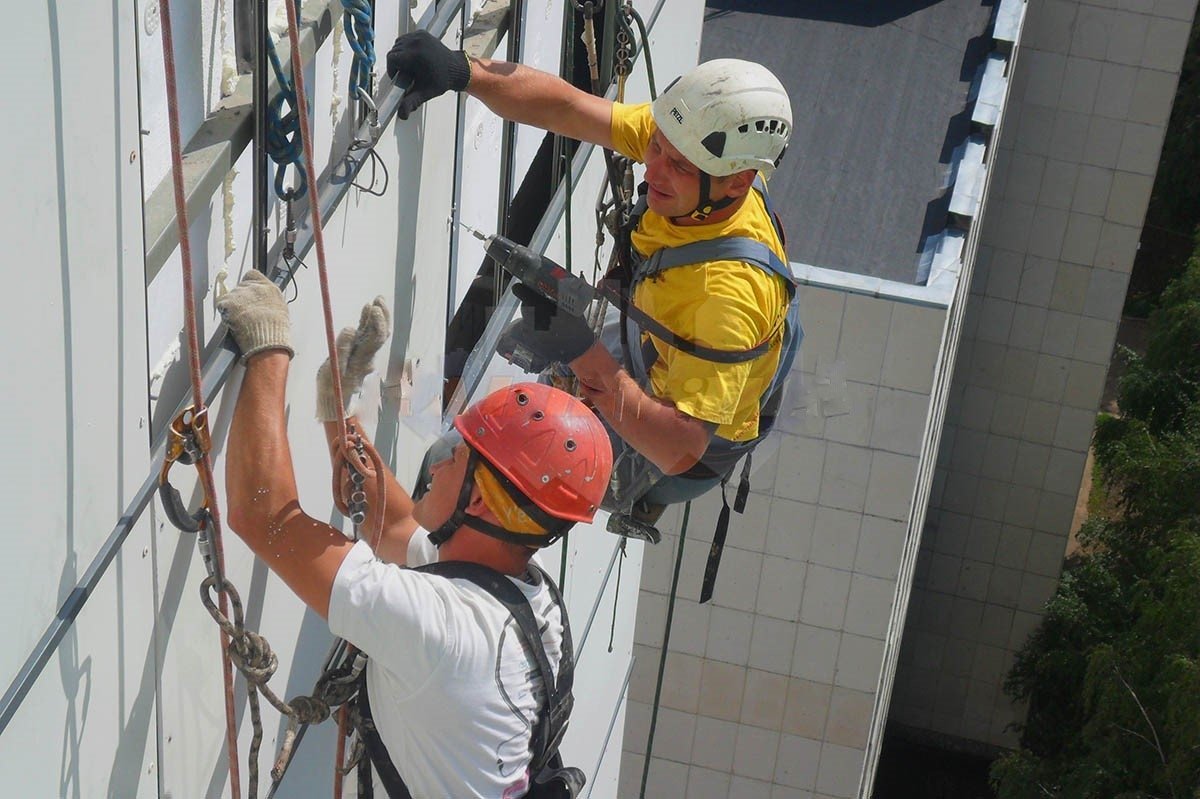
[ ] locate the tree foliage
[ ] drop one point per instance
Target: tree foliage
(1112, 676)
(1172, 226)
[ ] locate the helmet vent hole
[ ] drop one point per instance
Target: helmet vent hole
(545, 478)
(522, 398)
(569, 444)
(715, 142)
(760, 125)
(538, 416)
(744, 128)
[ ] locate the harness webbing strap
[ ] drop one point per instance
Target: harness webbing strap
(552, 721)
(661, 331)
(722, 456)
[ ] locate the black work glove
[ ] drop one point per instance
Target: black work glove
(544, 334)
(432, 67)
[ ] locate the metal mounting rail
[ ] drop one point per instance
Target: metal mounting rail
(612, 723)
(216, 371)
(587, 627)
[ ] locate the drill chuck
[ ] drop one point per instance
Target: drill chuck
(571, 293)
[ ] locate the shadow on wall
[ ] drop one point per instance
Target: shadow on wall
(867, 13)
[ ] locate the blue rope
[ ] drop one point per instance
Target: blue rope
(283, 131)
(360, 34)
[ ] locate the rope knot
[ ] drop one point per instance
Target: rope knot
(309, 710)
(253, 656)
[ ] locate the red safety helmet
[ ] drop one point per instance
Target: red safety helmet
(547, 443)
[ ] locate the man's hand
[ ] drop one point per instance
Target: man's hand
(432, 68)
(544, 334)
(257, 316)
(356, 348)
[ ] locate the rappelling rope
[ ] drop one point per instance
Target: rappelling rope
(212, 520)
(347, 445)
(249, 651)
(662, 660)
(314, 207)
(253, 656)
(360, 35)
(283, 130)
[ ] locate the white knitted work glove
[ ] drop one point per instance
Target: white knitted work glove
(356, 350)
(257, 316)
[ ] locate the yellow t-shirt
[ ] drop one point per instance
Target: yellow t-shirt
(726, 305)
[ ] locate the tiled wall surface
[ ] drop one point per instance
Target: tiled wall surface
(770, 689)
(1090, 100)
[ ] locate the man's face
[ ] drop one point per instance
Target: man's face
(674, 182)
(446, 478)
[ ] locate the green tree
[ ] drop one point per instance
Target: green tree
(1112, 676)
(1173, 218)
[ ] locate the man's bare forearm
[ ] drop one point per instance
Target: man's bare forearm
(532, 97)
(672, 440)
(260, 483)
(397, 507)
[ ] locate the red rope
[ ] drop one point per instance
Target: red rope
(314, 207)
(204, 465)
(339, 758)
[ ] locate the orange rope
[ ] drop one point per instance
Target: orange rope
(314, 207)
(204, 464)
(339, 757)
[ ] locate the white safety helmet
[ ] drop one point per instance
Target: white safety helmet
(727, 115)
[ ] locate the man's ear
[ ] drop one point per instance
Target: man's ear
(476, 506)
(739, 183)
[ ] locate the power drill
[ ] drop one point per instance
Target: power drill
(571, 293)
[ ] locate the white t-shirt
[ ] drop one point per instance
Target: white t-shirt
(454, 694)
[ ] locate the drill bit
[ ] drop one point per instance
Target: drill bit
(477, 234)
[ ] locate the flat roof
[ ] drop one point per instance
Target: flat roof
(879, 101)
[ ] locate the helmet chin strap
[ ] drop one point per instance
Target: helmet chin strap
(708, 206)
(555, 528)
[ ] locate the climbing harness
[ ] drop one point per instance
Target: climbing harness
(634, 476)
(550, 779)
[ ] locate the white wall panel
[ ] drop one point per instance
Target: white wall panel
(73, 416)
(395, 246)
(132, 704)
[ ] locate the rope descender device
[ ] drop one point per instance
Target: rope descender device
(189, 440)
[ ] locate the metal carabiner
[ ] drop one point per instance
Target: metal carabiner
(372, 114)
(189, 440)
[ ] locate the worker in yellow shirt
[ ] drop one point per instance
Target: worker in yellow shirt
(712, 327)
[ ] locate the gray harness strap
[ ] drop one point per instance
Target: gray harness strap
(721, 455)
